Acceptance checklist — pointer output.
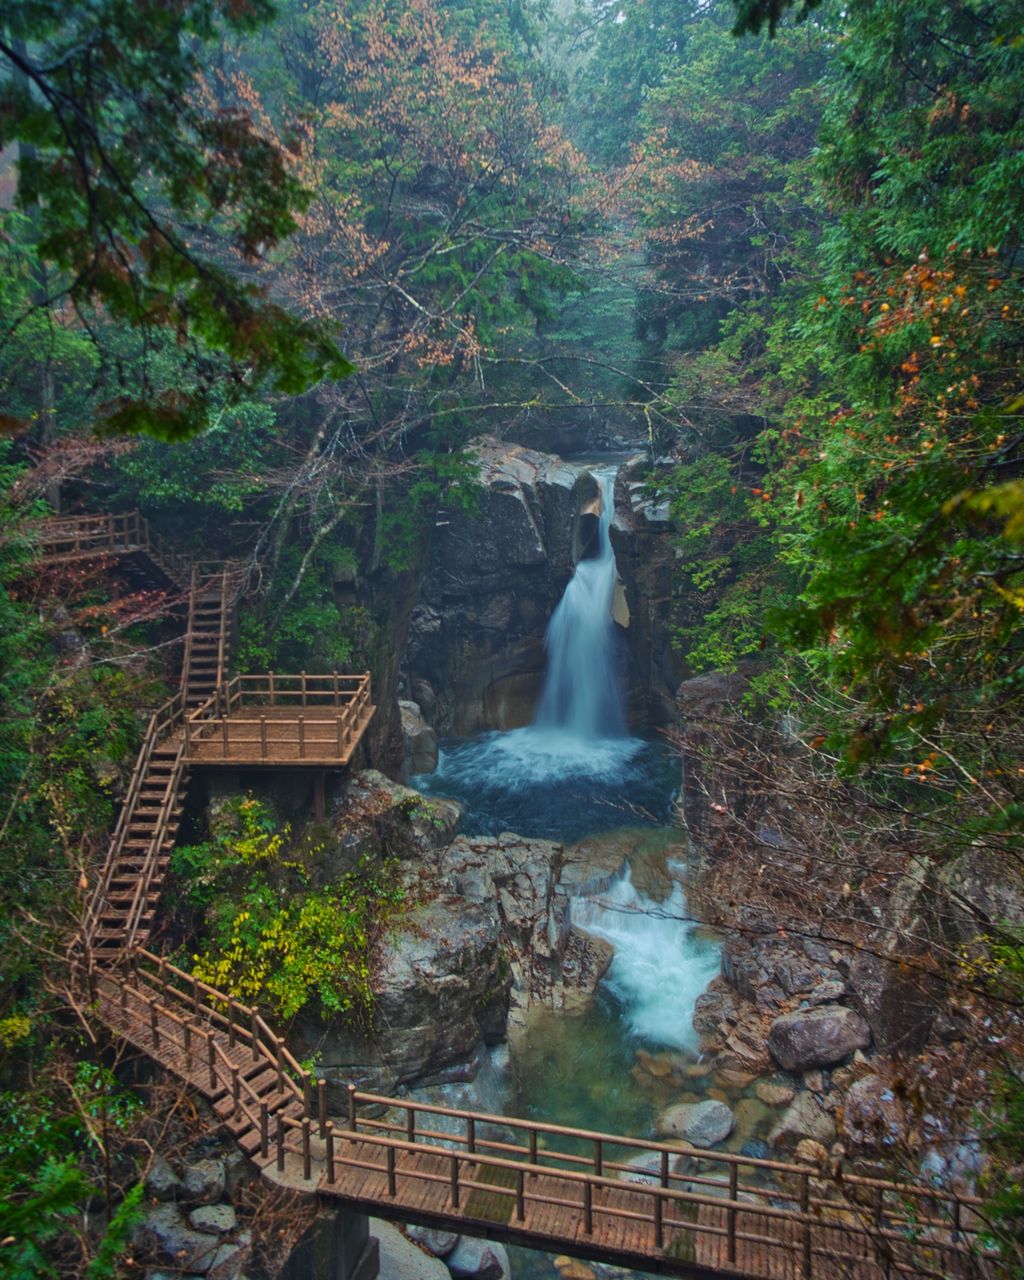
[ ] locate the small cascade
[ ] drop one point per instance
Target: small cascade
(581, 694)
(660, 965)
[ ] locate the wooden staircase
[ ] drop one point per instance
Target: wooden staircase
(207, 638)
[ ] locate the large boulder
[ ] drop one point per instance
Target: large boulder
(817, 1037)
(420, 741)
(805, 1117)
(898, 1000)
(478, 1260)
(441, 986)
(702, 1124)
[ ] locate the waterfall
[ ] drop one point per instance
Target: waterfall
(581, 693)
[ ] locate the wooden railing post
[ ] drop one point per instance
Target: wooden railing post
(410, 1124)
(455, 1181)
(307, 1095)
(231, 1023)
(302, 676)
(520, 1196)
(302, 738)
(330, 1151)
(598, 1158)
(730, 1223)
(470, 1135)
(659, 1222)
(270, 683)
(533, 1147)
(254, 1031)
(263, 737)
(210, 1054)
(321, 1106)
(280, 1142)
(264, 1131)
(280, 1064)
(236, 1091)
(307, 1156)
(352, 1108)
(392, 1180)
(588, 1209)
(805, 1209)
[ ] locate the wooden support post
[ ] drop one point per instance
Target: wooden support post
(231, 1023)
(598, 1158)
(280, 1142)
(255, 1033)
(264, 1131)
(236, 1091)
(659, 1222)
(455, 1181)
(319, 798)
(805, 1209)
(210, 1060)
(410, 1124)
(280, 1064)
(392, 1180)
(588, 1209)
(307, 1155)
(307, 1094)
(533, 1147)
(352, 1108)
(321, 1106)
(520, 1196)
(330, 1152)
(470, 1135)
(730, 1217)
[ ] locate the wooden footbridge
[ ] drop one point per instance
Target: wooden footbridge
(653, 1206)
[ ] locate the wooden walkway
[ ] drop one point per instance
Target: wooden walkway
(688, 1212)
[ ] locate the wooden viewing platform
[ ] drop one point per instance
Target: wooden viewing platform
(281, 720)
(66, 539)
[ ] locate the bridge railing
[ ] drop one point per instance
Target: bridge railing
(901, 1224)
(279, 717)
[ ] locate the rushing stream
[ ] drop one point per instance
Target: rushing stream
(575, 775)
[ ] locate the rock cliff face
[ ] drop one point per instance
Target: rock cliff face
(475, 658)
(645, 559)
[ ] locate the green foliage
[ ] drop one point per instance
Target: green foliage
(48, 1177)
(117, 156)
(271, 937)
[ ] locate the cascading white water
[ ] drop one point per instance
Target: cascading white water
(660, 966)
(581, 692)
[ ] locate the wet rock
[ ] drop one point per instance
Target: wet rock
(228, 1262)
(400, 1259)
(214, 1219)
(803, 1118)
(817, 1037)
(478, 1260)
(808, 1151)
(873, 1116)
(898, 1003)
(203, 1182)
(573, 1269)
(703, 1124)
(435, 1241)
(420, 741)
(165, 1236)
(162, 1183)
(756, 1150)
(774, 1095)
